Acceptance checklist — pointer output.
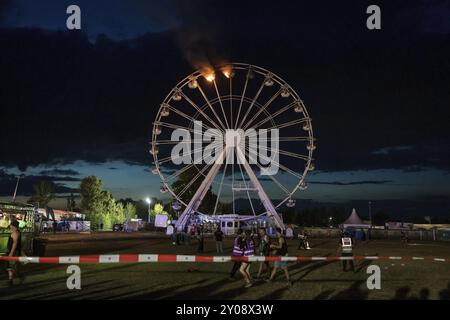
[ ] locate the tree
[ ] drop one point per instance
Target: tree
(91, 199)
(91, 192)
(130, 211)
(100, 206)
(188, 178)
(71, 204)
(158, 208)
(43, 193)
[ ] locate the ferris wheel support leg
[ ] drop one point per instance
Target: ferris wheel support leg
(268, 205)
(200, 193)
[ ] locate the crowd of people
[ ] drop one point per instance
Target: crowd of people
(257, 242)
(245, 245)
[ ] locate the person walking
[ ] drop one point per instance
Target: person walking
(404, 236)
(303, 241)
(14, 250)
(201, 240)
(249, 250)
(281, 249)
(238, 251)
(55, 226)
(218, 235)
(264, 251)
(186, 236)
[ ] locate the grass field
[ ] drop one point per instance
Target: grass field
(311, 280)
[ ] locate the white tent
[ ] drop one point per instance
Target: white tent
(354, 221)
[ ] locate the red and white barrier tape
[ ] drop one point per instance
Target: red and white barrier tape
(139, 258)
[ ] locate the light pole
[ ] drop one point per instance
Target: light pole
(17, 186)
(149, 201)
(370, 212)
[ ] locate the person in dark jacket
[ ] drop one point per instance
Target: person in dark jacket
(201, 240)
(218, 235)
(238, 251)
(264, 251)
(249, 250)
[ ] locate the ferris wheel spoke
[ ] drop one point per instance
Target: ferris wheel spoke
(231, 101)
(261, 110)
(271, 176)
(285, 139)
(274, 115)
(210, 106)
(221, 105)
(193, 180)
(164, 142)
(232, 189)
(283, 202)
(289, 123)
(188, 185)
(199, 110)
(184, 115)
(295, 139)
(175, 126)
(251, 105)
(220, 188)
(288, 153)
(247, 187)
(286, 169)
(169, 158)
(177, 173)
(242, 99)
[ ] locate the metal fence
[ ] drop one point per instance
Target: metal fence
(425, 235)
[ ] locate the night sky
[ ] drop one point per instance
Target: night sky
(76, 103)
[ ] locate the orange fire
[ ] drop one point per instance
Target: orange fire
(208, 74)
(227, 72)
(210, 77)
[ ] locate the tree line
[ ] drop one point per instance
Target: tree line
(99, 206)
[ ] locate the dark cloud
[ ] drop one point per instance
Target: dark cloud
(70, 99)
(59, 172)
(5, 6)
(415, 168)
(8, 183)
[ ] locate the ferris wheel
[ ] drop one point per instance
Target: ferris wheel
(233, 99)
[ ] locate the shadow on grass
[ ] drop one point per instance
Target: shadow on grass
(198, 292)
(353, 292)
(445, 294)
(403, 292)
(8, 293)
(275, 295)
(323, 295)
(67, 294)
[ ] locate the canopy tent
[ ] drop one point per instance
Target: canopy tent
(354, 221)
